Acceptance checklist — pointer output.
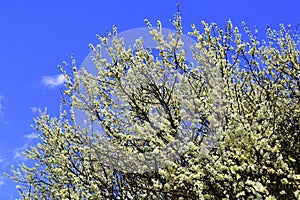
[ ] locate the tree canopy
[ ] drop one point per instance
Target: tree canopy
(222, 126)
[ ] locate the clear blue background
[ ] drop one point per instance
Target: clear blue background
(36, 36)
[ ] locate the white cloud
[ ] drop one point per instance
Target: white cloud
(19, 152)
(34, 109)
(1, 180)
(31, 136)
(1, 106)
(53, 81)
(1, 110)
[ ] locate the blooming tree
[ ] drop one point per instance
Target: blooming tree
(224, 125)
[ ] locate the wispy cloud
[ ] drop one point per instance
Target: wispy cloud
(53, 81)
(19, 152)
(31, 136)
(1, 181)
(34, 109)
(1, 110)
(1, 106)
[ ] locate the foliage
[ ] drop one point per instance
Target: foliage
(225, 126)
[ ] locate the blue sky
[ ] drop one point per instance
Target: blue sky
(36, 36)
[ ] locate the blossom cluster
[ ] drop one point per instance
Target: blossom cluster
(225, 126)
